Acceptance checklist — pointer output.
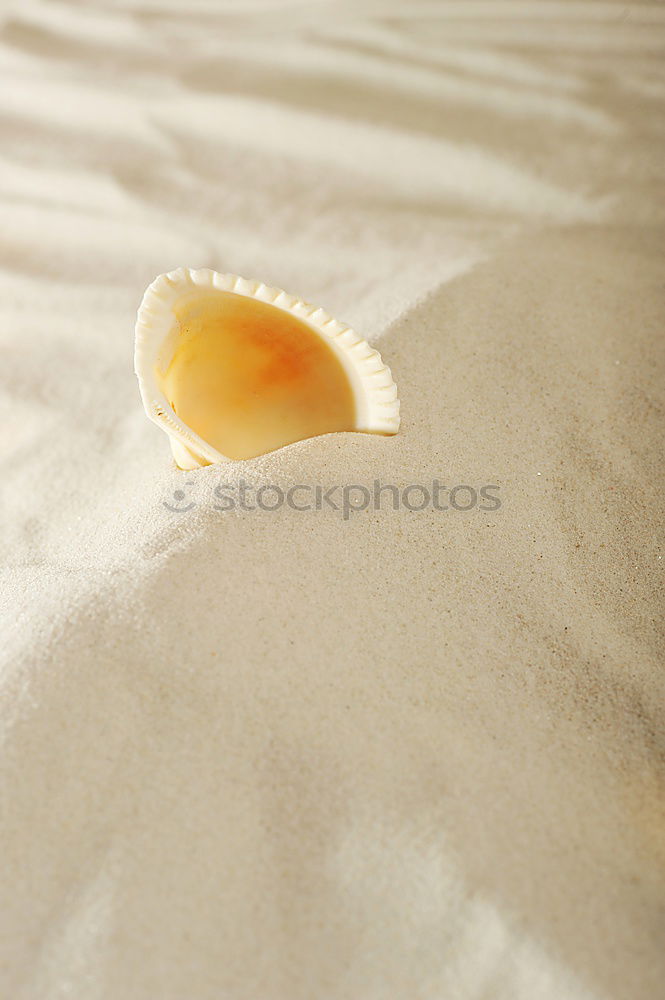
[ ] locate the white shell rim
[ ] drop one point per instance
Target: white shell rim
(374, 389)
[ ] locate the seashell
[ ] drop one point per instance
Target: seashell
(231, 369)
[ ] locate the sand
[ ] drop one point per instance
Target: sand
(278, 755)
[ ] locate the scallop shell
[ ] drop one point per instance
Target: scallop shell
(158, 333)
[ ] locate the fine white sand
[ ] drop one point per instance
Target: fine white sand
(409, 755)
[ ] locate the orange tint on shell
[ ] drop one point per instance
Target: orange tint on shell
(248, 377)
